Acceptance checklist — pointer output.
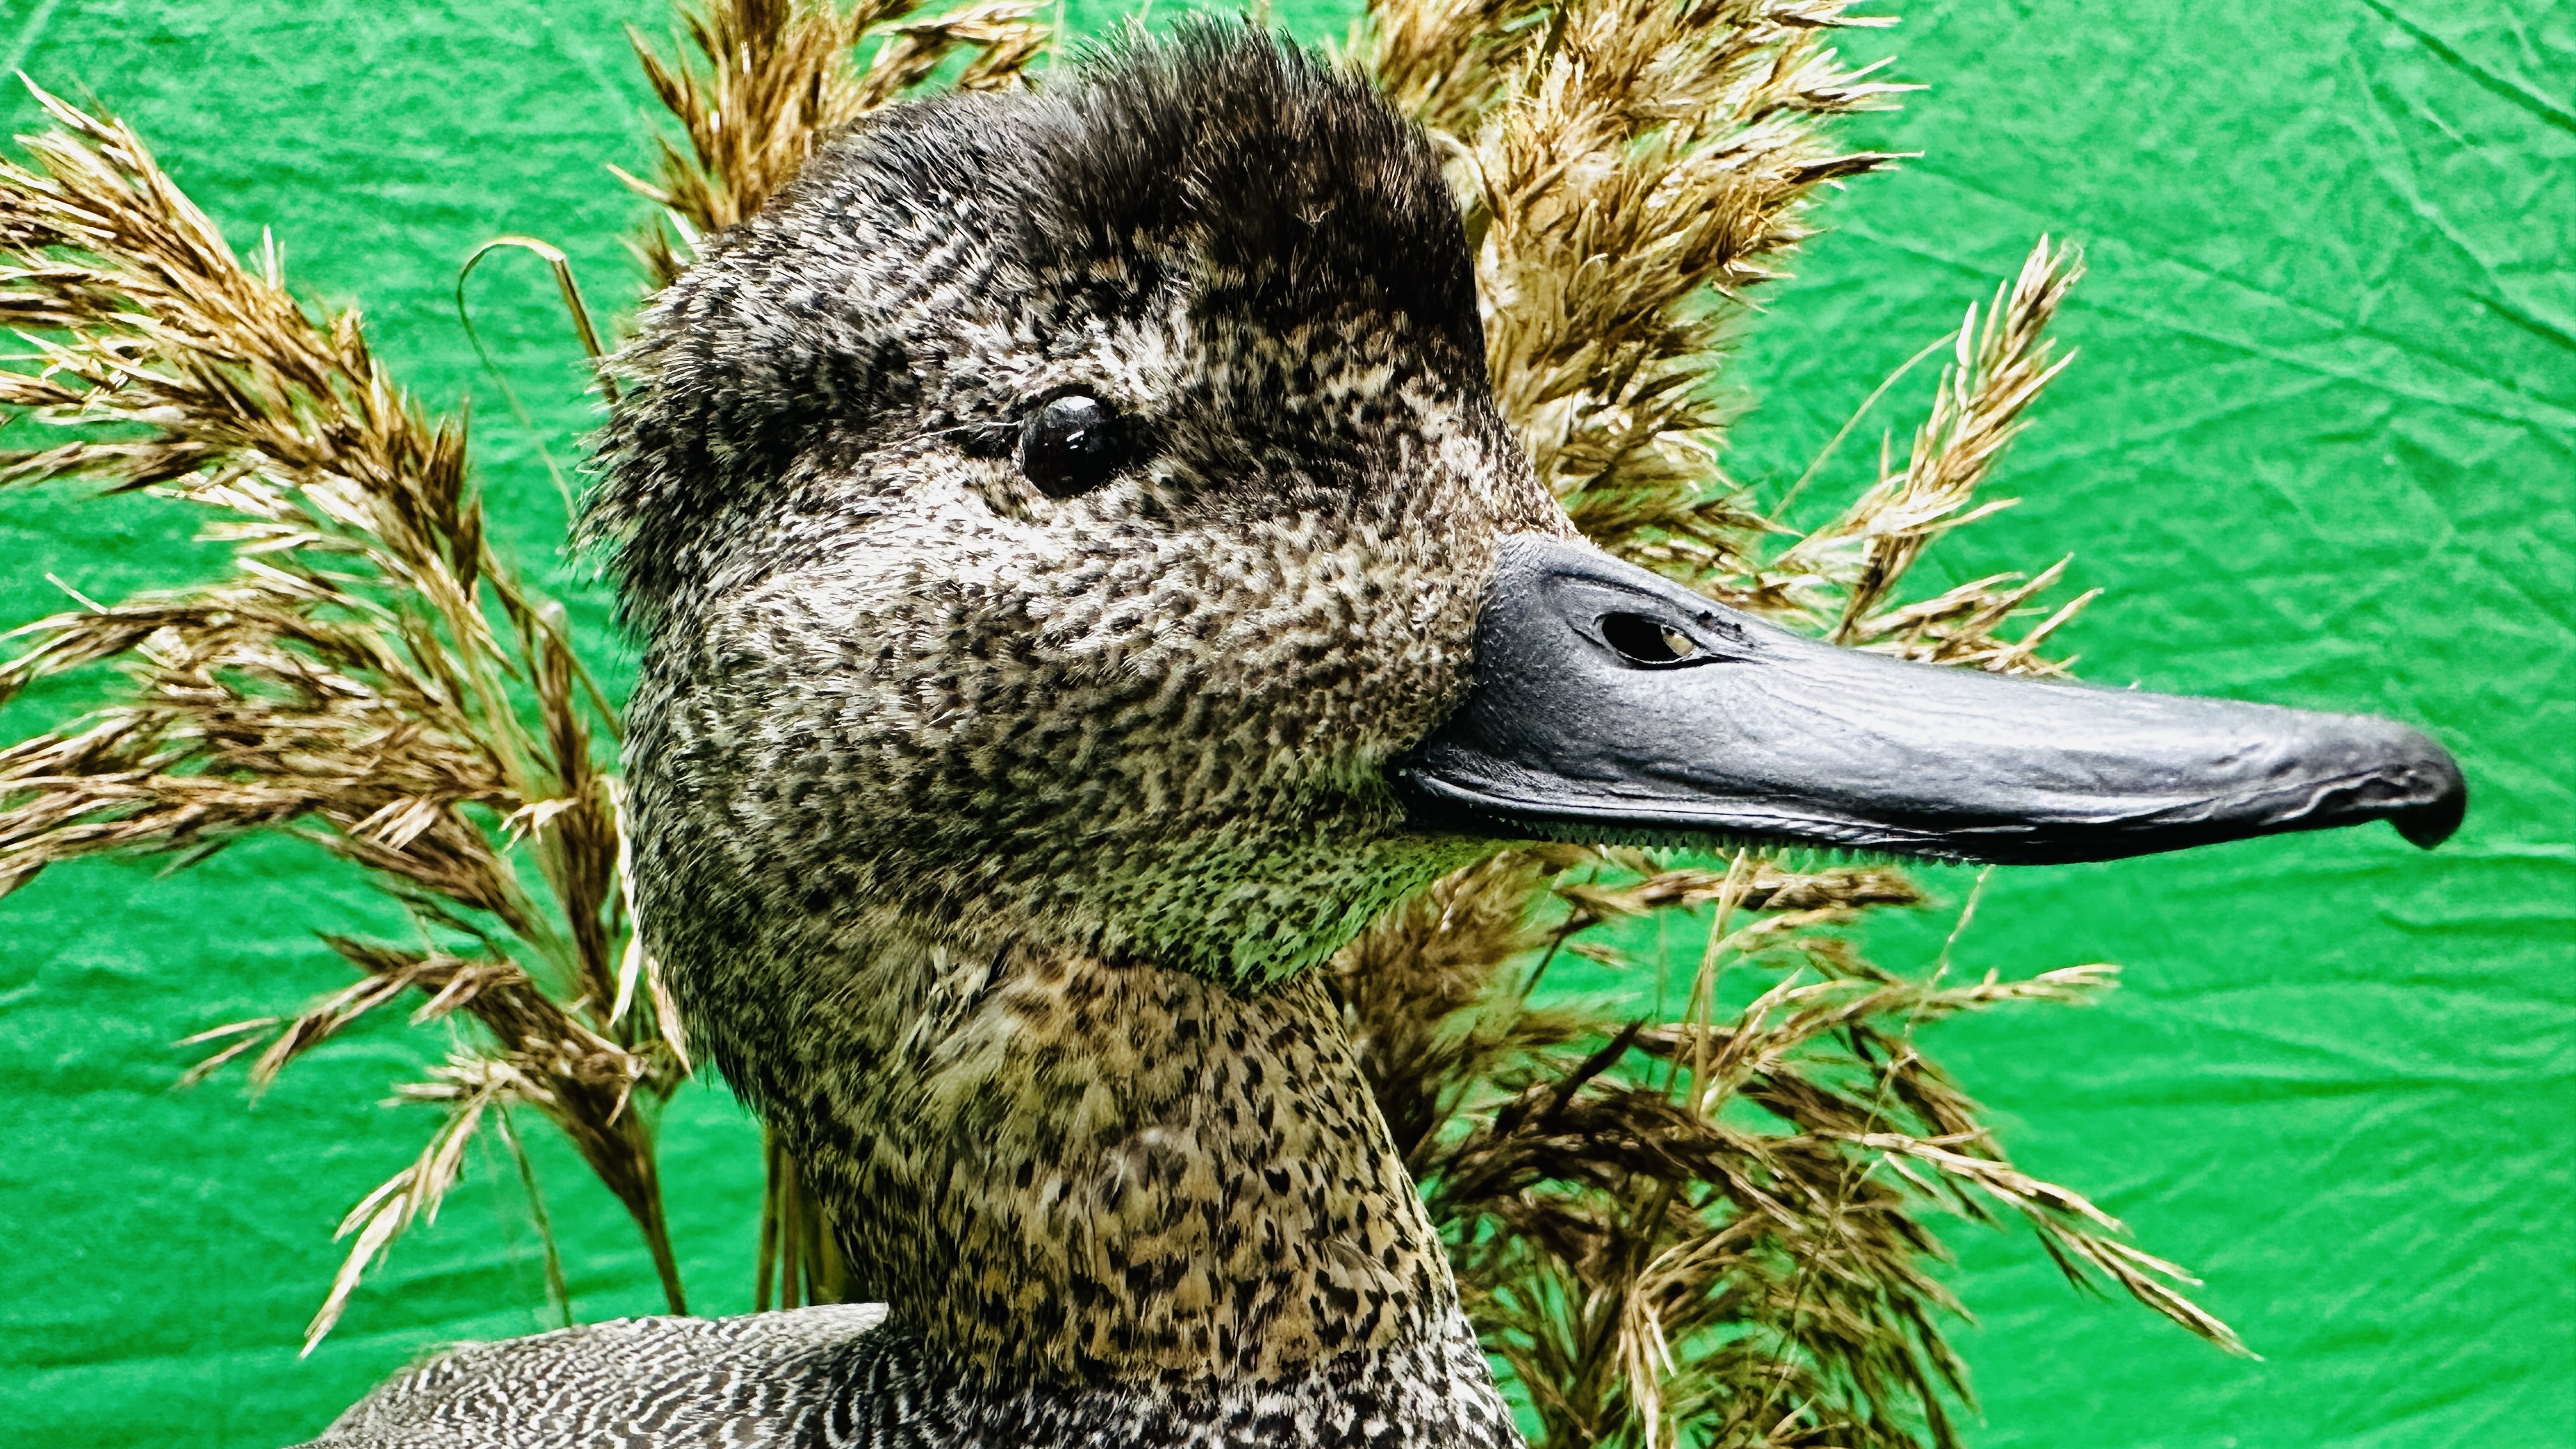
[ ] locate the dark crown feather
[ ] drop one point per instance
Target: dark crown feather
(1288, 188)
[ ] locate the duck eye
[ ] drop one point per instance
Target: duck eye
(1647, 641)
(1070, 446)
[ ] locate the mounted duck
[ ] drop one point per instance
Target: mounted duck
(1083, 578)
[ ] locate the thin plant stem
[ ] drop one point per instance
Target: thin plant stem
(1825, 454)
(558, 1292)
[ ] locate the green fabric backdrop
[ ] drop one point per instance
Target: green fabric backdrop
(2318, 450)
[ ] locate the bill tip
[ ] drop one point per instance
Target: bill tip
(2445, 804)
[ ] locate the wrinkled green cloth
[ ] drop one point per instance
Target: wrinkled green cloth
(2317, 449)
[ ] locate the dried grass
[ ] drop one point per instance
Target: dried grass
(369, 675)
(1658, 1264)
(1704, 1226)
(1977, 410)
(1631, 168)
(771, 78)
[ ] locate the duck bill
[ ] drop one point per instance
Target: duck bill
(1610, 704)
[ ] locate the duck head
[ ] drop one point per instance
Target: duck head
(1073, 537)
(1085, 514)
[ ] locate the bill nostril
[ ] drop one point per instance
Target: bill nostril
(1648, 641)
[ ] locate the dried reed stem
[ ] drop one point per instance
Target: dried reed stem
(800, 1256)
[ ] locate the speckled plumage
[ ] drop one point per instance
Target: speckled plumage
(987, 838)
(839, 1377)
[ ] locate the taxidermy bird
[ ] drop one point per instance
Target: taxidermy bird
(1083, 578)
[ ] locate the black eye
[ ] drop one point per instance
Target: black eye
(1071, 446)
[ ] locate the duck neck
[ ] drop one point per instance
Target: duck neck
(1067, 1171)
